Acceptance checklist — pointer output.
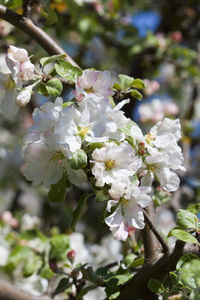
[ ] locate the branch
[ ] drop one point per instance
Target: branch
(28, 27)
(10, 292)
(156, 232)
(151, 244)
(137, 286)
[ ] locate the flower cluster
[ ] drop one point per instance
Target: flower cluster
(91, 139)
(21, 70)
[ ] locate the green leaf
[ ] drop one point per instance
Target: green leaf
(59, 246)
(63, 283)
(189, 274)
(186, 219)
(129, 259)
(47, 60)
(138, 84)
(137, 262)
(85, 291)
(32, 265)
(58, 190)
(118, 277)
(78, 160)
(125, 81)
(41, 89)
(46, 272)
(185, 258)
(48, 12)
(93, 146)
(136, 94)
(194, 209)
(173, 278)
(19, 254)
(155, 286)
(102, 196)
(67, 71)
(68, 103)
(54, 87)
(79, 210)
(183, 235)
(112, 292)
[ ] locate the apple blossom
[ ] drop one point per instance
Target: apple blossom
(9, 94)
(44, 160)
(93, 82)
(113, 162)
(128, 213)
(74, 126)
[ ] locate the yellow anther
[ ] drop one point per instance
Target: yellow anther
(89, 90)
(110, 164)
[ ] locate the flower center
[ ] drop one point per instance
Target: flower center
(9, 83)
(149, 138)
(110, 164)
(89, 90)
(83, 130)
(56, 156)
(124, 201)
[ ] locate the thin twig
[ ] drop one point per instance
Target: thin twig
(156, 232)
(41, 37)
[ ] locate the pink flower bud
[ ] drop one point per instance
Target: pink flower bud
(20, 54)
(26, 70)
(23, 97)
(71, 255)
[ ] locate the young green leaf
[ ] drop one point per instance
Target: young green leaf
(59, 246)
(58, 190)
(194, 208)
(79, 210)
(47, 60)
(183, 235)
(185, 258)
(54, 87)
(155, 286)
(138, 84)
(136, 94)
(186, 219)
(125, 81)
(67, 71)
(101, 196)
(48, 12)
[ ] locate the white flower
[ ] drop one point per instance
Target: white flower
(158, 165)
(74, 126)
(46, 116)
(45, 160)
(113, 162)
(128, 213)
(8, 94)
(94, 82)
